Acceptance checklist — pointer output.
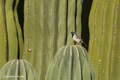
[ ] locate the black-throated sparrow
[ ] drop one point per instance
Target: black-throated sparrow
(76, 38)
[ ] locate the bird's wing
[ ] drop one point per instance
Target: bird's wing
(77, 36)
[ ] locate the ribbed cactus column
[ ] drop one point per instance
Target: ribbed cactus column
(11, 40)
(33, 15)
(18, 29)
(70, 63)
(70, 20)
(78, 16)
(104, 39)
(47, 28)
(3, 37)
(61, 23)
(11, 30)
(73, 18)
(18, 70)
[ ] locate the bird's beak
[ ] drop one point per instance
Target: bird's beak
(71, 32)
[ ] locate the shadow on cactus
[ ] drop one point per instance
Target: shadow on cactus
(70, 63)
(18, 70)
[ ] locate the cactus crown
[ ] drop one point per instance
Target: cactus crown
(70, 63)
(18, 70)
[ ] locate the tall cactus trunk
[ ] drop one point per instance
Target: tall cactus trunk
(47, 28)
(3, 35)
(11, 41)
(19, 31)
(11, 30)
(33, 33)
(104, 39)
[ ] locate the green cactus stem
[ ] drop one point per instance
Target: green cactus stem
(3, 35)
(11, 40)
(71, 20)
(45, 30)
(19, 31)
(11, 30)
(104, 39)
(18, 70)
(78, 16)
(70, 63)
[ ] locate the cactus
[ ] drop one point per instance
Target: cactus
(70, 63)
(104, 39)
(78, 17)
(12, 33)
(11, 41)
(18, 70)
(47, 28)
(19, 31)
(71, 20)
(3, 35)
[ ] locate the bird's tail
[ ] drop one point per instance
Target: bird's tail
(83, 43)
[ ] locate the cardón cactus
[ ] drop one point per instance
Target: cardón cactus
(47, 27)
(104, 42)
(18, 70)
(70, 63)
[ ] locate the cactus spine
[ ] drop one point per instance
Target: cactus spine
(104, 39)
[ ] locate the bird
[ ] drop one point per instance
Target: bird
(76, 38)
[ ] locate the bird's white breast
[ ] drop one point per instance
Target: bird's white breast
(76, 39)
